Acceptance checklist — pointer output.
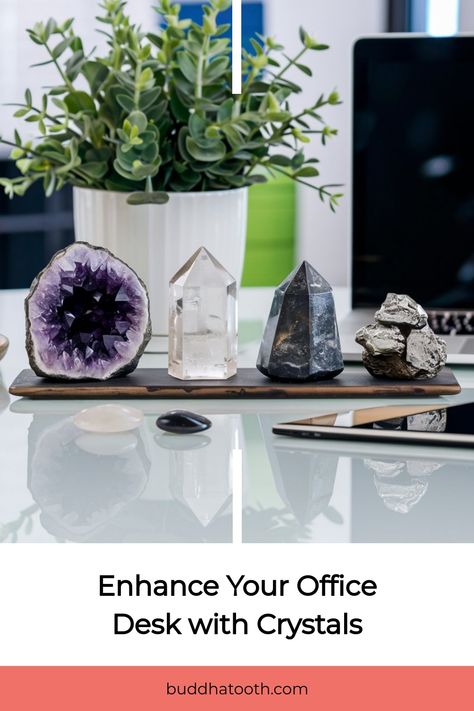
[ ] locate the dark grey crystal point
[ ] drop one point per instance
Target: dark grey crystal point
(301, 339)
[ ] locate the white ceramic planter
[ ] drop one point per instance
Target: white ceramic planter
(156, 240)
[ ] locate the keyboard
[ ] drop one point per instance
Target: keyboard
(452, 323)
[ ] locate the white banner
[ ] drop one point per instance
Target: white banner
(413, 604)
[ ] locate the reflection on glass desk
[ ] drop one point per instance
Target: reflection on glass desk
(136, 486)
(373, 493)
(235, 482)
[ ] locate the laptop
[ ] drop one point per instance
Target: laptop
(413, 184)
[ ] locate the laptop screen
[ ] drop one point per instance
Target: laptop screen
(413, 171)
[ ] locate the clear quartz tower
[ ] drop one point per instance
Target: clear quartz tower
(203, 320)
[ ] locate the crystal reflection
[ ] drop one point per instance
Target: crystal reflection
(83, 481)
(201, 469)
(304, 480)
(432, 421)
(137, 486)
(397, 487)
(362, 492)
(401, 484)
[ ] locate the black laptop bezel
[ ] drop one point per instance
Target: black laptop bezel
(387, 47)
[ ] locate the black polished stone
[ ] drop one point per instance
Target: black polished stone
(182, 422)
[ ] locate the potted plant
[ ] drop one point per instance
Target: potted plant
(158, 149)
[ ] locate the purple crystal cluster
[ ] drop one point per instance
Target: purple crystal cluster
(87, 316)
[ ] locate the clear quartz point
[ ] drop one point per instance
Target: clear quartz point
(203, 320)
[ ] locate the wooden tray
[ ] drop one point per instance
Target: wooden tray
(248, 383)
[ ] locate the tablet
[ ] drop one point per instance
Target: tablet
(438, 424)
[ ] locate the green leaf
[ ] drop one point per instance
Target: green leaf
(278, 116)
(148, 98)
(123, 172)
(180, 111)
(243, 155)
(306, 70)
(254, 179)
(225, 111)
(187, 66)
(95, 169)
(306, 172)
(95, 74)
(207, 152)
(60, 48)
(126, 102)
(297, 160)
(282, 160)
(310, 42)
(212, 132)
(215, 69)
(119, 184)
(51, 27)
(34, 38)
(150, 153)
(258, 87)
(67, 24)
(158, 111)
(233, 136)
(74, 64)
(145, 80)
(148, 198)
(138, 119)
(58, 90)
(49, 184)
(257, 46)
(197, 126)
(155, 39)
(237, 181)
(76, 44)
(42, 64)
(77, 101)
(141, 170)
(24, 165)
(21, 112)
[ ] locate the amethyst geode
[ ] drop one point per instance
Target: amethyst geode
(87, 316)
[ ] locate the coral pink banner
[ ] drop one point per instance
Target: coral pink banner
(335, 688)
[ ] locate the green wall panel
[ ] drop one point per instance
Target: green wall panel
(271, 234)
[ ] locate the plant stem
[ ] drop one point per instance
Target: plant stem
(31, 151)
(64, 76)
(321, 190)
(291, 62)
(136, 94)
(200, 68)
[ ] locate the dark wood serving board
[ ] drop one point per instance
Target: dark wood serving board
(248, 383)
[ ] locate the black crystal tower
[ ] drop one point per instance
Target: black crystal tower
(301, 339)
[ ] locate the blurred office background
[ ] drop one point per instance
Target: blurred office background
(286, 222)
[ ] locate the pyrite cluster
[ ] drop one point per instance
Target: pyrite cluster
(400, 344)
